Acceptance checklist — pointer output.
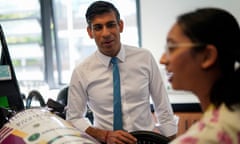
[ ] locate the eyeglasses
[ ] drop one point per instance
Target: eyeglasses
(171, 47)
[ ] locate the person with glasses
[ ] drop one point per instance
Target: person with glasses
(202, 56)
(92, 84)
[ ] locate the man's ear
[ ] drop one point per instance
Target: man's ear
(89, 30)
(121, 25)
(209, 57)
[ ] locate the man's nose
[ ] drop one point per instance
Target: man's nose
(105, 31)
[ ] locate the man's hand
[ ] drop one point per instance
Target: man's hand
(111, 137)
(120, 137)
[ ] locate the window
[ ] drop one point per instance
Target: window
(21, 22)
(74, 44)
(48, 38)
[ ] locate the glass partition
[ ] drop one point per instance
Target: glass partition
(21, 21)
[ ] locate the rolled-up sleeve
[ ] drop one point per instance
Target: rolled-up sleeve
(168, 123)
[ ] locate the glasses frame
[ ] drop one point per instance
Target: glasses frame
(171, 47)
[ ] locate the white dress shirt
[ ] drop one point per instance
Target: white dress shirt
(91, 84)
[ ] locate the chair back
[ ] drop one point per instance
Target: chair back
(34, 94)
(63, 96)
(61, 102)
(150, 137)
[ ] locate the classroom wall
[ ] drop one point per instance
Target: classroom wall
(158, 15)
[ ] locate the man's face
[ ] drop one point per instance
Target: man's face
(105, 30)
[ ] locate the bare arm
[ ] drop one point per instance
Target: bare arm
(97, 133)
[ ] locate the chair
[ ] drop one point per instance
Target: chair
(34, 94)
(149, 137)
(62, 96)
(62, 101)
(57, 108)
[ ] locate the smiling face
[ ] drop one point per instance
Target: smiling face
(105, 30)
(182, 64)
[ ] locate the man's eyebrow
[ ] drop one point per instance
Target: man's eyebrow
(97, 24)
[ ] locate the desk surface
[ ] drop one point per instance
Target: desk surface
(182, 97)
(184, 101)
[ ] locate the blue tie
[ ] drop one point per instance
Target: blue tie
(117, 110)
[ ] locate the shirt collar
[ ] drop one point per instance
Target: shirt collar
(106, 59)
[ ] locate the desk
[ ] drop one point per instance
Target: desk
(182, 97)
(184, 101)
(187, 107)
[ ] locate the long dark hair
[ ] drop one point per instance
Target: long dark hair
(217, 27)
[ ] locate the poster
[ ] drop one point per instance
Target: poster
(39, 126)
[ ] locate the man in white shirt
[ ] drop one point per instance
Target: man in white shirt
(92, 84)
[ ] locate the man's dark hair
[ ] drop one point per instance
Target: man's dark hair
(100, 7)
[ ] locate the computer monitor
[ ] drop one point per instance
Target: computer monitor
(10, 95)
